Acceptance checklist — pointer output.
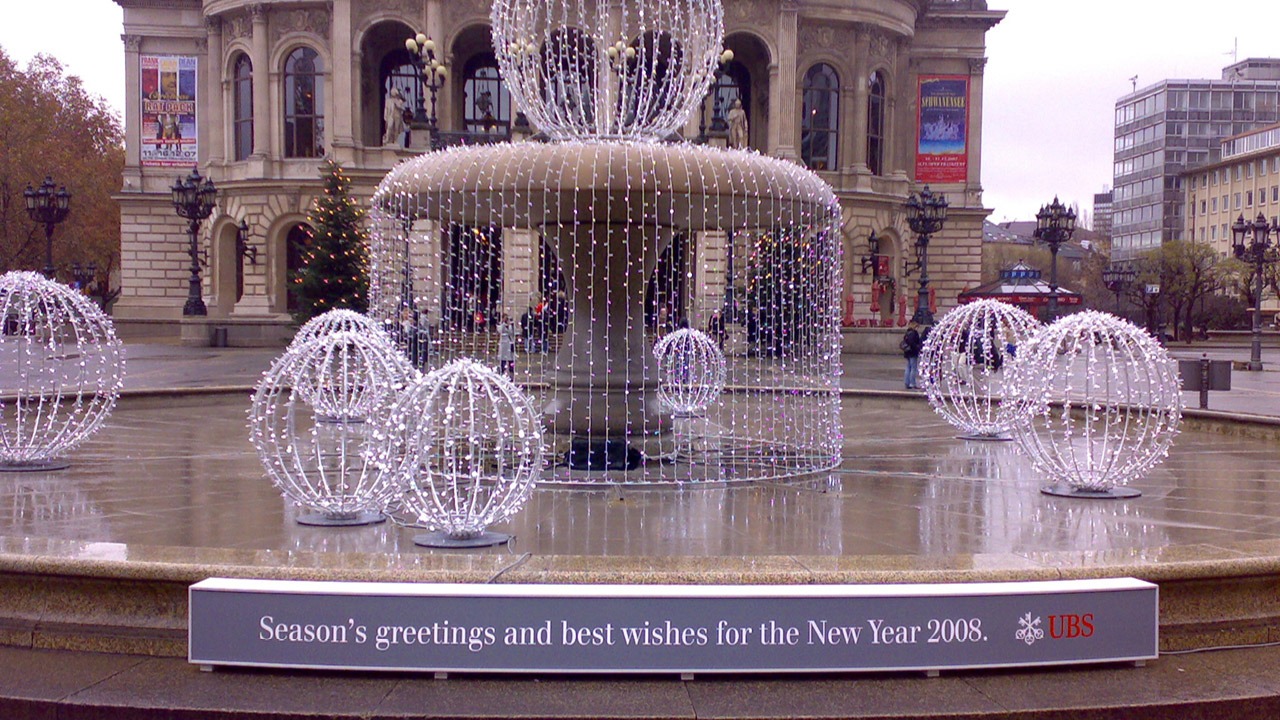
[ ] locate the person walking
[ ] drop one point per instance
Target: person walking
(910, 346)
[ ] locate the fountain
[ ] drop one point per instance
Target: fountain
(609, 193)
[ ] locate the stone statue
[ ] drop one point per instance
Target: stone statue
(737, 119)
(393, 116)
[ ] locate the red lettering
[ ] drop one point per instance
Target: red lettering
(1070, 626)
(1087, 622)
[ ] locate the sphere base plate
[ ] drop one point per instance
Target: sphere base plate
(440, 540)
(986, 438)
(42, 466)
(1115, 493)
(323, 520)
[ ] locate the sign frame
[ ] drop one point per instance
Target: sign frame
(242, 622)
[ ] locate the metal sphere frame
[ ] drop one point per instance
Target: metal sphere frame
(338, 320)
(61, 370)
(633, 70)
(692, 368)
(1102, 404)
(309, 424)
(467, 446)
(964, 366)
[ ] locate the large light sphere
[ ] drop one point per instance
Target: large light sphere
(61, 369)
(1102, 404)
(692, 369)
(964, 365)
(308, 422)
(583, 69)
(335, 321)
(467, 444)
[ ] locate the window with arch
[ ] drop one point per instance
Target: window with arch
(303, 104)
(732, 82)
(242, 110)
(399, 72)
(486, 104)
(875, 123)
(821, 121)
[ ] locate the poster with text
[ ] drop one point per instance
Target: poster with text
(942, 147)
(169, 137)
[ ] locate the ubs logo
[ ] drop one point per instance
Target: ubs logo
(1071, 626)
(1029, 630)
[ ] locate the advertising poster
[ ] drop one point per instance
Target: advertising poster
(168, 130)
(943, 129)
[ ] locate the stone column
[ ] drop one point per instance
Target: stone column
(974, 126)
(856, 136)
(520, 260)
(784, 91)
(709, 275)
(261, 59)
(214, 112)
(900, 158)
(132, 113)
(342, 88)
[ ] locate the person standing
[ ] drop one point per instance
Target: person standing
(910, 346)
(507, 347)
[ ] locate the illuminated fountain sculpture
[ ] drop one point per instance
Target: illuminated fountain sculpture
(1101, 402)
(61, 368)
(964, 366)
(335, 321)
(605, 198)
(691, 369)
(309, 424)
(467, 445)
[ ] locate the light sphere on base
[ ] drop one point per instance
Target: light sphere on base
(61, 370)
(310, 422)
(467, 446)
(964, 365)
(692, 370)
(338, 320)
(1101, 401)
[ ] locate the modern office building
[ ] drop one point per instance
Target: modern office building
(1102, 215)
(1174, 125)
(257, 92)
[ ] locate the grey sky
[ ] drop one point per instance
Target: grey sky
(1055, 71)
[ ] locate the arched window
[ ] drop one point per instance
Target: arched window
(821, 120)
(486, 104)
(242, 112)
(303, 104)
(875, 124)
(399, 72)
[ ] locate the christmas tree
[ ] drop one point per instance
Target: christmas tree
(335, 264)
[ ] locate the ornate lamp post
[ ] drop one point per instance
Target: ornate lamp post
(926, 214)
(48, 207)
(1118, 278)
(193, 199)
(1055, 224)
(433, 74)
(1251, 242)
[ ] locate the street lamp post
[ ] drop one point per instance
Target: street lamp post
(1251, 243)
(432, 73)
(1055, 223)
(47, 206)
(193, 199)
(926, 214)
(1118, 278)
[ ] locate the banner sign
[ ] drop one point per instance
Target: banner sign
(669, 628)
(168, 132)
(942, 124)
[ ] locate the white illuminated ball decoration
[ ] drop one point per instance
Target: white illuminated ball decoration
(692, 368)
(338, 320)
(309, 423)
(964, 366)
(61, 369)
(1102, 404)
(467, 444)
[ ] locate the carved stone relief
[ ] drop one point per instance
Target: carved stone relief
(132, 43)
(754, 14)
(976, 65)
(455, 11)
(407, 9)
(315, 22)
(238, 26)
(825, 38)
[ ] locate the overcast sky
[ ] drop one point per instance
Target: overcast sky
(1055, 71)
